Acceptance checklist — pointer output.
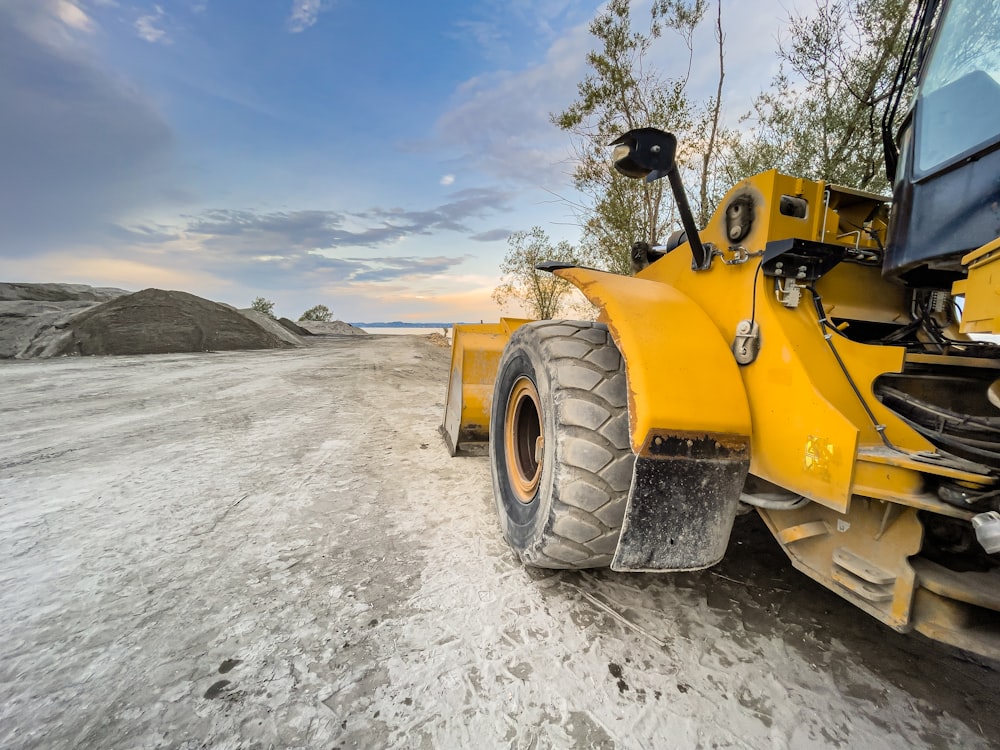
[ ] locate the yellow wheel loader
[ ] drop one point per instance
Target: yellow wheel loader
(807, 354)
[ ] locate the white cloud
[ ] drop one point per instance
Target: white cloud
(58, 25)
(149, 27)
(501, 120)
(487, 36)
(502, 30)
(304, 14)
(79, 146)
(307, 230)
(448, 179)
(73, 16)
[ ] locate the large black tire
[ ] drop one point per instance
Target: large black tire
(559, 444)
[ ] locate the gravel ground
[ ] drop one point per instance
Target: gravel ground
(273, 549)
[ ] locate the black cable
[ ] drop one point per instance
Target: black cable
(753, 301)
(923, 320)
(940, 338)
(826, 326)
(903, 68)
(914, 47)
(956, 445)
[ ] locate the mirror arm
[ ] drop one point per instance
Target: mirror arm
(702, 259)
(651, 153)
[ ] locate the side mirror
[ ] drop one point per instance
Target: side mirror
(650, 153)
(645, 152)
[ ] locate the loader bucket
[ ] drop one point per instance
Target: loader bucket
(475, 357)
(981, 313)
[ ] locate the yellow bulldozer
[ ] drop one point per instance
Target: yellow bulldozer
(811, 354)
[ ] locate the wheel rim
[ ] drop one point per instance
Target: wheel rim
(523, 439)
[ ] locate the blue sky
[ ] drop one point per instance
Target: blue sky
(370, 156)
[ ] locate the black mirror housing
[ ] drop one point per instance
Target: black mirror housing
(645, 152)
(651, 153)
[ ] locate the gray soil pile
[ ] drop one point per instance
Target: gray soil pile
(51, 320)
(275, 327)
(331, 328)
(294, 327)
(155, 321)
(58, 293)
(31, 315)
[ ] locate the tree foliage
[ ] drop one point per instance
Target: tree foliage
(318, 313)
(821, 118)
(621, 92)
(539, 293)
(262, 305)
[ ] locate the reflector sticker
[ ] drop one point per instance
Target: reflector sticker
(818, 457)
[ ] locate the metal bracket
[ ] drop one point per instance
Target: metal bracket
(788, 292)
(746, 345)
(710, 251)
(740, 255)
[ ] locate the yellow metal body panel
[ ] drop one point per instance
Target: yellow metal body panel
(807, 422)
(859, 293)
(475, 357)
(810, 433)
(981, 312)
(863, 556)
(668, 344)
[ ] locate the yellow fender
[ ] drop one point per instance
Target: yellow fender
(682, 377)
(689, 422)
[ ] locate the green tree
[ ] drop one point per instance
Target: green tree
(621, 92)
(320, 313)
(821, 117)
(539, 293)
(262, 305)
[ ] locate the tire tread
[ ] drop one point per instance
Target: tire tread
(595, 458)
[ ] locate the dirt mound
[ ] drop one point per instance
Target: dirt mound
(294, 327)
(58, 292)
(332, 328)
(155, 321)
(272, 326)
(33, 316)
(23, 323)
(439, 339)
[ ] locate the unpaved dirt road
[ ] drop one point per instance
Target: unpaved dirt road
(274, 550)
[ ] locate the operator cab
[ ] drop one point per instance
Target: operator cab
(946, 173)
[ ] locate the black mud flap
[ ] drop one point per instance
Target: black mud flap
(683, 501)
